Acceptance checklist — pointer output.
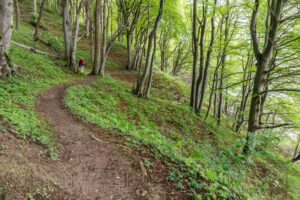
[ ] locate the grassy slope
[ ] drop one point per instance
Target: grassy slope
(161, 123)
(38, 73)
(207, 157)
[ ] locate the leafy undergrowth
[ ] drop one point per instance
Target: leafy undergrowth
(19, 93)
(206, 159)
(169, 88)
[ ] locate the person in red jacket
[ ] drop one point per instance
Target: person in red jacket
(82, 65)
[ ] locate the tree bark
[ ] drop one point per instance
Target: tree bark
(97, 56)
(142, 81)
(67, 24)
(74, 65)
(203, 77)
(104, 38)
(88, 17)
(263, 60)
(17, 11)
(34, 7)
(195, 55)
(36, 31)
(6, 25)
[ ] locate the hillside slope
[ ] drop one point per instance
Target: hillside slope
(47, 153)
(119, 145)
(203, 157)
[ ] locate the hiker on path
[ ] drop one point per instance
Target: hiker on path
(82, 65)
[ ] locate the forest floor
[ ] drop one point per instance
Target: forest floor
(93, 163)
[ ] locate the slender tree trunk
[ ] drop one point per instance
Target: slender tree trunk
(97, 57)
(74, 65)
(203, 79)
(6, 24)
(212, 92)
(104, 38)
(37, 26)
(119, 24)
(17, 11)
(111, 18)
(88, 18)
(195, 55)
(202, 61)
(34, 10)
(151, 68)
(142, 81)
(67, 32)
(129, 50)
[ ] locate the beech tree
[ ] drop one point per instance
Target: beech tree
(199, 82)
(18, 15)
(37, 25)
(130, 10)
(143, 90)
(71, 36)
(6, 26)
(263, 59)
(102, 44)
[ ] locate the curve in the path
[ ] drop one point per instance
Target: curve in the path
(92, 165)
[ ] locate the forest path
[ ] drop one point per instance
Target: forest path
(93, 164)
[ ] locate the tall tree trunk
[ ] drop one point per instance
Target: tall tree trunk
(129, 50)
(17, 11)
(37, 26)
(88, 10)
(151, 68)
(195, 55)
(204, 72)
(202, 59)
(6, 24)
(263, 60)
(34, 7)
(74, 65)
(246, 89)
(142, 81)
(97, 57)
(67, 24)
(119, 24)
(104, 38)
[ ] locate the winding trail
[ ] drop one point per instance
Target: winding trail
(93, 163)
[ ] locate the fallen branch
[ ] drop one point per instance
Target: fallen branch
(98, 140)
(15, 134)
(34, 50)
(143, 168)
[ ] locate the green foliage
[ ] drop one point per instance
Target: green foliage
(148, 164)
(19, 93)
(207, 156)
(2, 147)
(2, 192)
(52, 41)
(45, 192)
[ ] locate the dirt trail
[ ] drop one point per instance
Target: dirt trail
(89, 167)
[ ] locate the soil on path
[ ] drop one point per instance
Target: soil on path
(93, 165)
